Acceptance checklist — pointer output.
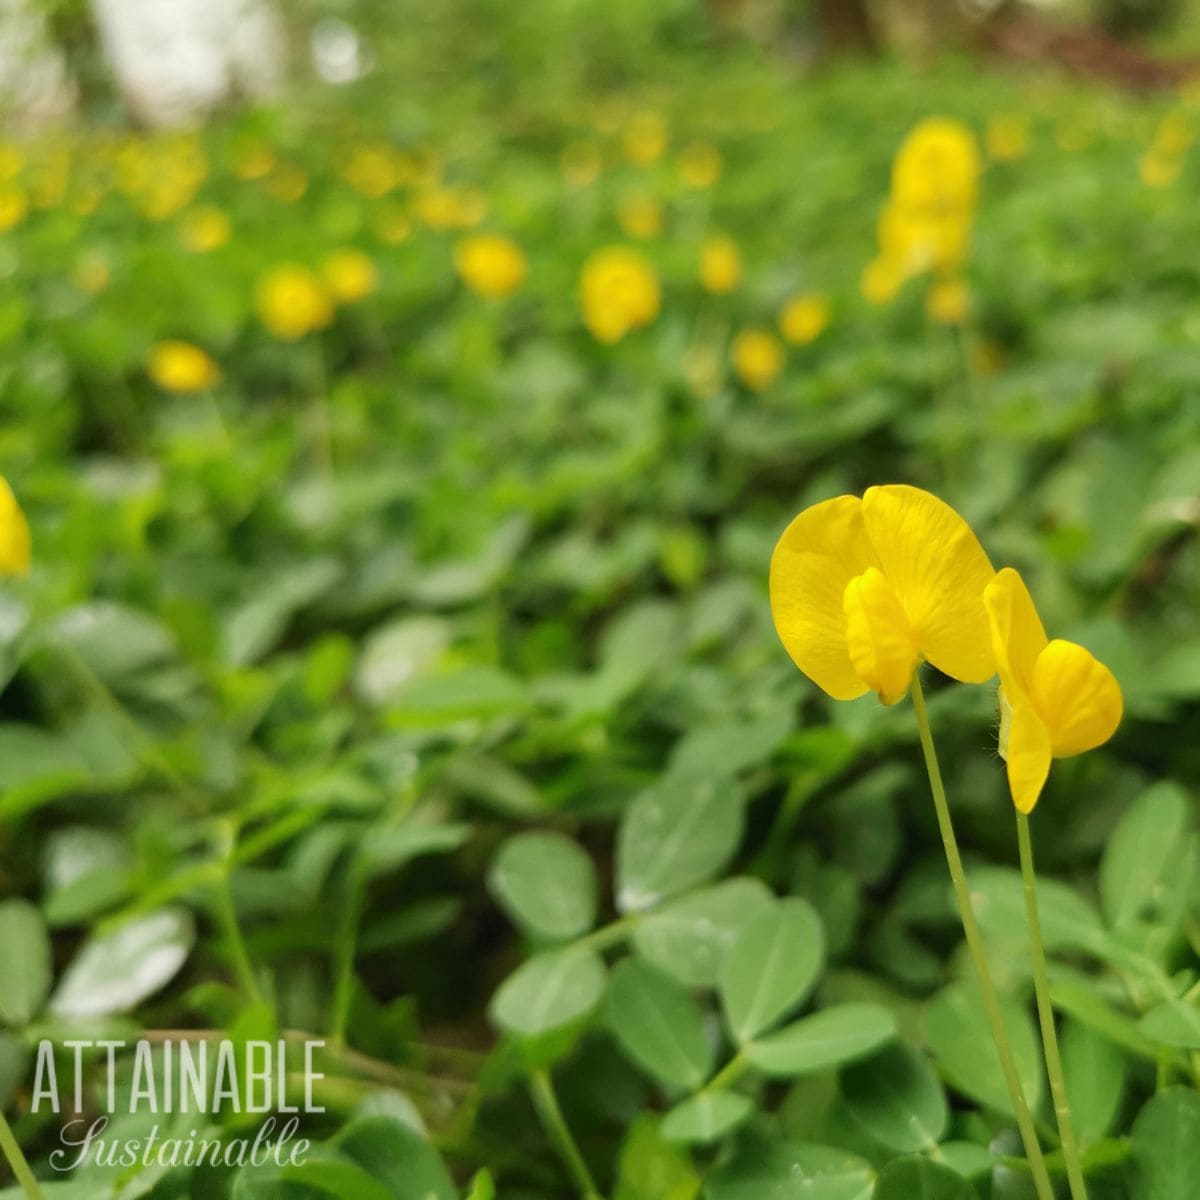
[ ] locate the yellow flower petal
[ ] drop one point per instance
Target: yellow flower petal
(878, 636)
(820, 552)
(1077, 697)
(939, 571)
(1017, 634)
(1028, 753)
(14, 534)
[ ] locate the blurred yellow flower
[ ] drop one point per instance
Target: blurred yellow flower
(205, 229)
(490, 265)
(804, 318)
(645, 138)
(14, 534)
(948, 301)
(374, 170)
(1056, 699)
(1174, 135)
(181, 367)
(12, 161)
(758, 357)
(91, 274)
(720, 264)
(699, 165)
(349, 275)
(291, 302)
(1159, 170)
(13, 207)
(581, 164)
(1007, 137)
(451, 207)
(881, 280)
(937, 167)
(618, 292)
(640, 215)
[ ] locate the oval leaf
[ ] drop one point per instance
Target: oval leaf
(549, 991)
(25, 955)
(706, 1117)
(826, 1039)
(896, 1097)
(1165, 1146)
(917, 1178)
(546, 884)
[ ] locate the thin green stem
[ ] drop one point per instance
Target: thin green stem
(227, 918)
(1041, 986)
(17, 1160)
(546, 1102)
(729, 1074)
(344, 947)
(991, 1003)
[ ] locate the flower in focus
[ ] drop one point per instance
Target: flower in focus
(758, 358)
(205, 229)
(1056, 699)
(292, 301)
(645, 138)
(580, 164)
(492, 266)
(720, 265)
(14, 534)
(618, 292)
(862, 590)
(948, 301)
(181, 367)
(349, 275)
(640, 215)
(804, 318)
(699, 165)
(1007, 137)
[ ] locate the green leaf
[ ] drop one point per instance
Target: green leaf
(115, 971)
(688, 938)
(1068, 921)
(679, 833)
(771, 967)
(917, 1178)
(551, 990)
(791, 1171)
(262, 618)
(395, 1155)
(706, 1117)
(897, 1098)
(731, 747)
(546, 884)
(1094, 1070)
(650, 1168)
(344, 1179)
(474, 693)
(658, 1025)
(26, 955)
(483, 1187)
(1165, 1146)
(958, 1034)
(1174, 1023)
(826, 1039)
(1140, 850)
(397, 653)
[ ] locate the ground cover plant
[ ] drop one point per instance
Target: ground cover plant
(393, 663)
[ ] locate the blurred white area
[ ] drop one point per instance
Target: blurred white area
(337, 51)
(34, 84)
(176, 59)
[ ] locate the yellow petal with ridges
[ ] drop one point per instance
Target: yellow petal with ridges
(1017, 633)
(823, 548)
(939, 571)
(1077, 697)
(1028, 755)
(878, 636)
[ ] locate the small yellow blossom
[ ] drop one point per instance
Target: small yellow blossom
(581, 164)
(1007, 137)
(937, 167)
(645, 139)
(948, 301)
(757, 357)
(491, 265)
(881, 280)
(699, 165)
(1056, 699)
(1159, 170)
(374, 170)
(14, 534)
(720, 265)
(181, 367)
(618, 292)
(349, 275)
(804, 318)
(13, 206)
(292, 301)
(204, 229)
(451, 207)
(640, 215)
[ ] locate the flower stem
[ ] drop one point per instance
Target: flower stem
(17, 1160)
(1041, 986)
(546, 1103)
(1008, 1064)
(235, 943)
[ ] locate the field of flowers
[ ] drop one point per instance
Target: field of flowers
(388, 656)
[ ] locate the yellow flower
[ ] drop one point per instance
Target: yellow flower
(14, 534)
(205, 229)
(948, 301)
(645, 138)
(937, 166)
(490, 265)
(720, 265)
(451, 207)
(863, 589)
(1007, 137)
(882, 279)
(13, 207)
(349, 275)
(1056, 698)
(640, 215)
(804, 318)
(699, 165)
(919, 239)
(292, 302)
(12, 161)
(757, 358)
(374, 170)
(1159, 170)
(618, 292)
(181, 367)
(580, 164)
(1173, 136)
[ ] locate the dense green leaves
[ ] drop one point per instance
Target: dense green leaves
(25, 952)
(1166, 1146)
(920, 1179)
